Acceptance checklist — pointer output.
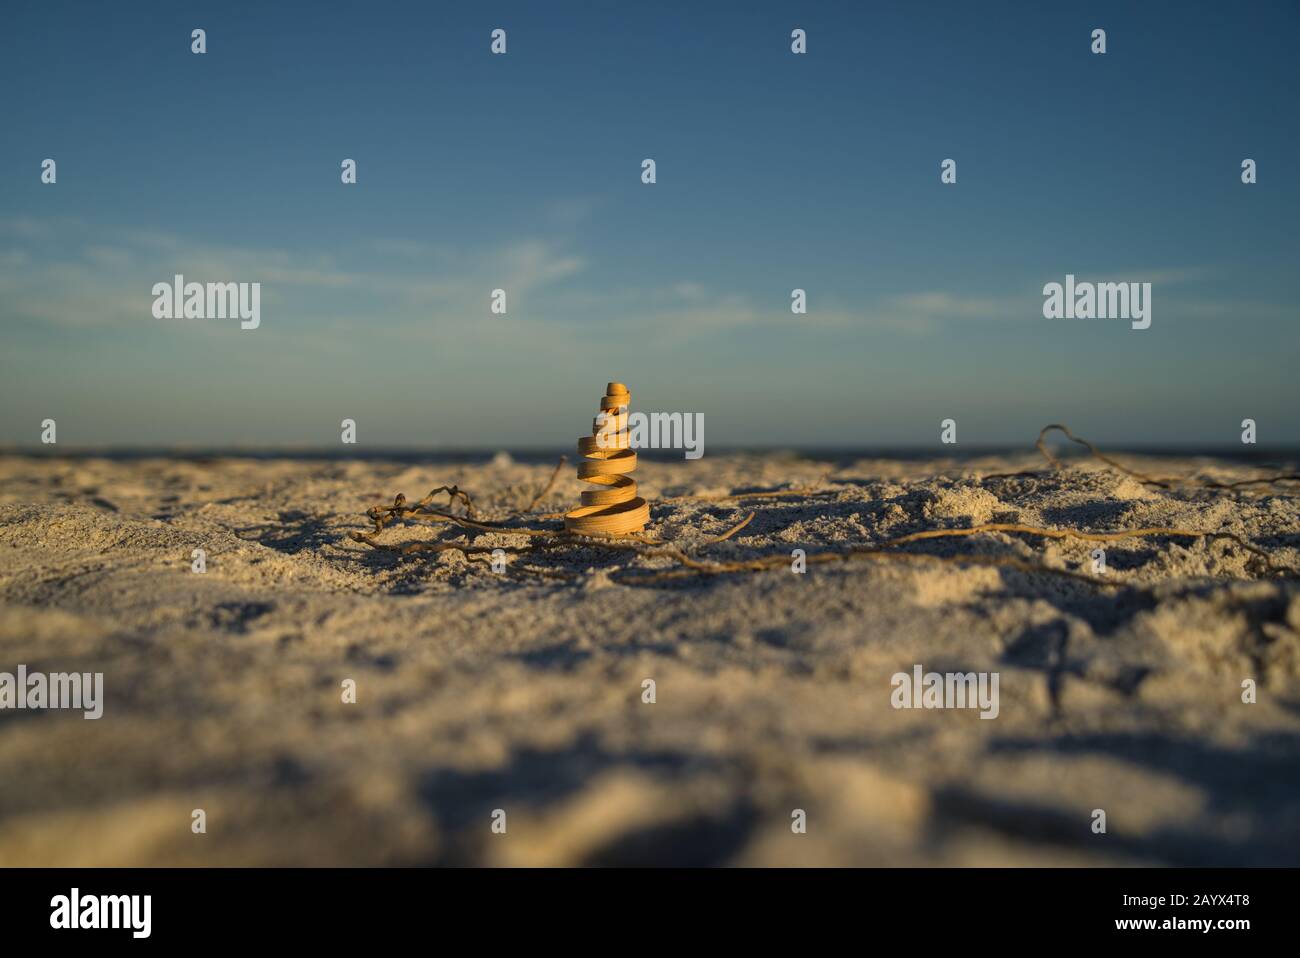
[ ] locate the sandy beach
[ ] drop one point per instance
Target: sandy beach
(524, 690)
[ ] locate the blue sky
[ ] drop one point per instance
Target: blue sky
(522, 172)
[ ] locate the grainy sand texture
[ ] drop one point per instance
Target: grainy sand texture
(522, 690)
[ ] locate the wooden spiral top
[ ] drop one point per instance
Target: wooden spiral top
(613, 507)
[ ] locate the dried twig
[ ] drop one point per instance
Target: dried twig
(416, 548)
(881, 551)
(546, 540)
(1140, 477)
(1056, 463)
(549, 485)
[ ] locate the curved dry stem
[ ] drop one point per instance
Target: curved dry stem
(1056, 463)
(1141, 477)
(549, 540)
(548, 487)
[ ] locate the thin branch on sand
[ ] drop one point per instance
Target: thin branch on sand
(557, 538)
(1141, 477)
(548, 487)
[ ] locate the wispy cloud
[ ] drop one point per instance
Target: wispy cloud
(72, 275)
(66, 273)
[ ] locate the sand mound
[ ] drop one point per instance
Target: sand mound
(525, 691)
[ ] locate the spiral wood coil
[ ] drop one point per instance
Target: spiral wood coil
(613, 508)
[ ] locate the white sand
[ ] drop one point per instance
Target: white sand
(479, 691)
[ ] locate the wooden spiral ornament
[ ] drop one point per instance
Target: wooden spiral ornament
(613, 507)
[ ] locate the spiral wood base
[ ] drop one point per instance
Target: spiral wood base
(613, 508)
